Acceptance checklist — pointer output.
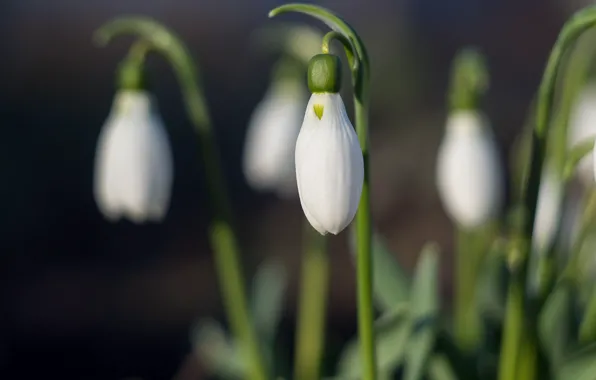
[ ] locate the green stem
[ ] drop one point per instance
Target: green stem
(512, 336)
(579, 23)
(573, 268)
(468, 326)
(221, 234)
(469, 81)
(312, 307)
(360, 68)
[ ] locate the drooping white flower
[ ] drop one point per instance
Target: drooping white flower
(329, 164)
(548, 209)
(582, 127)
(133, 162)
(469, 172)
(268, 161)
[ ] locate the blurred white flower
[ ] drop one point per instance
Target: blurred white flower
(548, 209)
(469, 171)
(329, 164)
(583, 127)
(133, 162)
(268, 161)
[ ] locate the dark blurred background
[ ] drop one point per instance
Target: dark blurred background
(81, 298)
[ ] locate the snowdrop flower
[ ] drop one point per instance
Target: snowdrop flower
(329, 164)
(469, 172)
(133, 162)
(548, 209)
(271, 138)
(583, 127)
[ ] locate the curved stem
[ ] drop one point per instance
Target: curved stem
(325, 47)
(580, 22)
(360, 80)
(221, 234)
(138, 51)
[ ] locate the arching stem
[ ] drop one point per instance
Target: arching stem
(221, 234)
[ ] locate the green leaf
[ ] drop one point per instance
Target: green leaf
(219, 355)
(391, 331)
(268, 290)
(424, 303)
(492, 289)
(391, 283)
(587, 328)
(553, 324)
(440, 369)
(581, 366)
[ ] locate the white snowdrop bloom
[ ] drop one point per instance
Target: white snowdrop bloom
(133, 162)
(329, 164)
(268, 161)
(548, 209)
(469, 171)
(582, 127)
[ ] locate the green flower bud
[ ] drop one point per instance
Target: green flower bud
(324, 73)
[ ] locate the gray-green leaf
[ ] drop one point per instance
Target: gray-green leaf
(391, 331)
(269, 286)
(217, 352)
(424, 303)
(391, 283)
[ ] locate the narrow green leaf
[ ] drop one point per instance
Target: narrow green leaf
(424, 303)
(490, 295)
(581, 366)
(587, 328)
(219, 355)
(440, 369)
(391, 283)
(268, 290)
(392, 331)
(553, 324)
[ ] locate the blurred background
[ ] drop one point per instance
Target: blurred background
(81, 298)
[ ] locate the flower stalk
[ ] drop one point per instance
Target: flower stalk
(221, 234)
(360, 68)
(513, 357)
(312, 306)
(469, 82)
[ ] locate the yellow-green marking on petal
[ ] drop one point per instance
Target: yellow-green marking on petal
(319, 108)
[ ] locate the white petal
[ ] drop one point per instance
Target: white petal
(271, 139)
(548, 209)
(133, 169)
(329, 165)
(469, 172)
